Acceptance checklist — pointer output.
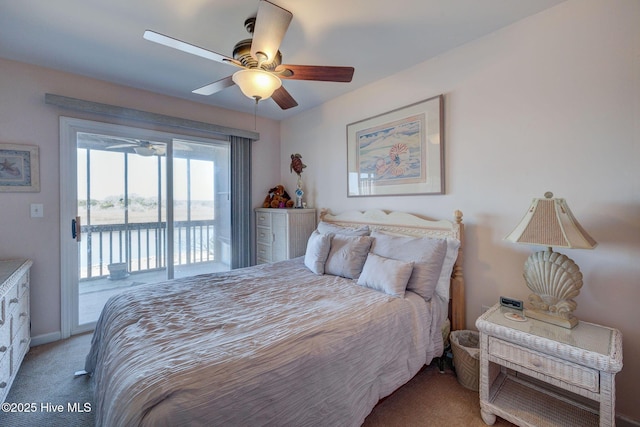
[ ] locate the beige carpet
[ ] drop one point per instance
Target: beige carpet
(430, 399)
(46, 379)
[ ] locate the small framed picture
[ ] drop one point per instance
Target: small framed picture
(19, 168)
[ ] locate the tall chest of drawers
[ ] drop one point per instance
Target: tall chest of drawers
(15, 325)
(282, 233)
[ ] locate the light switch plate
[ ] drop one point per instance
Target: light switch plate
(37, 210)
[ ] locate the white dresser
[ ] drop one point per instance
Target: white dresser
(282, 233)
(15, 326)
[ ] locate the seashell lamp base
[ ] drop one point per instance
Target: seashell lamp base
(554, 280)
(550, 317)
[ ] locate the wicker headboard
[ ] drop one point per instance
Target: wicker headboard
(412, 225)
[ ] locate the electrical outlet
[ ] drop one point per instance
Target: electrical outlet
(37, 210)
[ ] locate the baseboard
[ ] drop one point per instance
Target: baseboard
(622, 421)
(46, 338)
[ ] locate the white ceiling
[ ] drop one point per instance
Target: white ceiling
(103, 39)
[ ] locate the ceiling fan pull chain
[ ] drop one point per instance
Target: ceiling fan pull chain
(255, 114)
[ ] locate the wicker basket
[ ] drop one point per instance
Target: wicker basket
(466, 358)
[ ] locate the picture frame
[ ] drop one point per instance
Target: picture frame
(19, 168)
(400, 152)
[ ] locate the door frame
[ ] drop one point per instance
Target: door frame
(69, 127)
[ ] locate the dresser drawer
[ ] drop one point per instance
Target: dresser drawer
(5, 372)
(5, 338)
(21, 315)
(5, 375)
(4, 314)
(263, 219)
(263, 253)
(20, 347)
(568, 372)
(13, 294)
(264, 235)
(23, 285)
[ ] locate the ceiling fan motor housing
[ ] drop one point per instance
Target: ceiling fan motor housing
(242, 53)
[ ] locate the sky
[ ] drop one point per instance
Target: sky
(107, 176)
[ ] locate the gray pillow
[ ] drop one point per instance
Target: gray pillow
(347, 255)
(318, 247)
(326, 227)
(386, 275)
(427, 255)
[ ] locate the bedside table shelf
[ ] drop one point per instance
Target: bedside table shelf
(520, 401)
(535, 373)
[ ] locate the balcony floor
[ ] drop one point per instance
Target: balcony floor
(94, 293)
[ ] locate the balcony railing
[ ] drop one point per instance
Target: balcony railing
(142, 246)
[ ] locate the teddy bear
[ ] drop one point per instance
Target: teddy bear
(277, 197)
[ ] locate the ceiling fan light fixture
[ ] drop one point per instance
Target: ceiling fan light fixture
(144, 151)
(256, 84)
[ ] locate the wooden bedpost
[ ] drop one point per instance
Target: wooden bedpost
(458, 321)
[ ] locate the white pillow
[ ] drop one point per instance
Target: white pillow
(427, 255)
(385, 274)
(318, 247)
(347, 255)
(444, 281)
(326, 227)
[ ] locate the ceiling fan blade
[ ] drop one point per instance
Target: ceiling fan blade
(283, 98)
(189, 48)
(214, 87)
(315, 72)
(121, 146)
(271, 24)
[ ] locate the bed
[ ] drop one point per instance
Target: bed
(300, 342)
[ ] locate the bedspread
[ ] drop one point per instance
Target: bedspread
(267, 345)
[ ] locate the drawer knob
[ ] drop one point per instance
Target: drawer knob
(23, 314)
(3, 384)
(3, 348)
(13, 300)
(537, 363)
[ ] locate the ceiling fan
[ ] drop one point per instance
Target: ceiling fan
(259, 59)
(142, 148)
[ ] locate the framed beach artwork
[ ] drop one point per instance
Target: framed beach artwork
(19, 168)
(398, 153)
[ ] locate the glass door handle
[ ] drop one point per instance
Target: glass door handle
(75, 229)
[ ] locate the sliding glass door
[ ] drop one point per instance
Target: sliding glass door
(140, 207)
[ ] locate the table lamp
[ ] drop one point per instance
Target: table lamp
(553, 277)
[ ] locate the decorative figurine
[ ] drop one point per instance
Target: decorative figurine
(297, 166)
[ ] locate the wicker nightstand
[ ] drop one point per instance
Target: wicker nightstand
(536, 373)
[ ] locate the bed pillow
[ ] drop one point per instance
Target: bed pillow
(427, 255)
(386, 275)
(325, 228)
(444, 281)
(318, 247)
(347, 255)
